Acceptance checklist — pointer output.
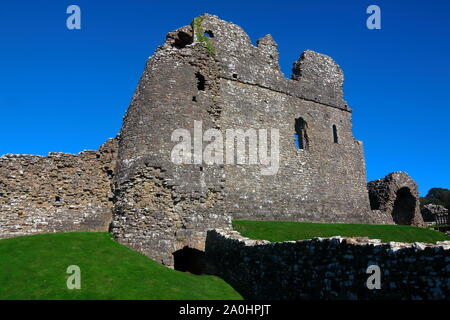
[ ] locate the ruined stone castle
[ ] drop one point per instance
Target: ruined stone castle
(211, 72)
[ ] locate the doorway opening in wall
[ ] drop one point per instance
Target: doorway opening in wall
(189, 260)
(404, 207)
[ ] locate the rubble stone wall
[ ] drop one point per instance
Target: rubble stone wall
(58, 193)
(430, 210)
(330, 268)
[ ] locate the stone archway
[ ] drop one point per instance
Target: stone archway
(404, 207)
(189, 260)
(395, 199)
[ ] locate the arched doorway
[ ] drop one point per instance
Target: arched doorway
(404, 207)
(189, 260)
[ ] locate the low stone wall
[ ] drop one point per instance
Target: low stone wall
(330, 268)
(58, 193)
(430, 210)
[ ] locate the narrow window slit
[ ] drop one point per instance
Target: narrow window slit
(335, 136)
(301, 136)
(200, 81)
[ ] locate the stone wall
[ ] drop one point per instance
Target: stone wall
(58, 193)
(162, 207)
(152, 217)
(330, 268)
(325, 181)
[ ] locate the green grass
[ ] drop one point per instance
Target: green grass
(34, 267)
(287, 231)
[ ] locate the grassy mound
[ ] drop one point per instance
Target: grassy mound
(34, 267)
(288, 231)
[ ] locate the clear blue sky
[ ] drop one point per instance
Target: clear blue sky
(63, 90)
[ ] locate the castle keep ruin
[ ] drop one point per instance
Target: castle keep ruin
(208, 71)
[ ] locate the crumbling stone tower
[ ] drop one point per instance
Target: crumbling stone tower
(210, 71)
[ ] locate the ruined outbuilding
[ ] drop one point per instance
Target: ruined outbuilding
(395, 199)
(431, 210)
(211, 72)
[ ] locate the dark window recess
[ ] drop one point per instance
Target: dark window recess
(57, 200)
(200, 81)
(98, 156)
(209, 34)
(374, 202)
(301, 136)
(194, 98)
(234, 75)
(335, 136)
(110, 173)
(182, 40)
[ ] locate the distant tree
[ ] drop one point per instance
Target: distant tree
(437, 196)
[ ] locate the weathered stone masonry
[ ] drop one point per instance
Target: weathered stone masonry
(58, 193)
(329, 268)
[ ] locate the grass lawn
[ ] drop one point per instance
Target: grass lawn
(34, 267)
(286, 231)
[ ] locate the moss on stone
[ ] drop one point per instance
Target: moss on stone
(201, 38)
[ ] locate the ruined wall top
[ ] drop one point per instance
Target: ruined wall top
(315, 77)
(61, 192)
